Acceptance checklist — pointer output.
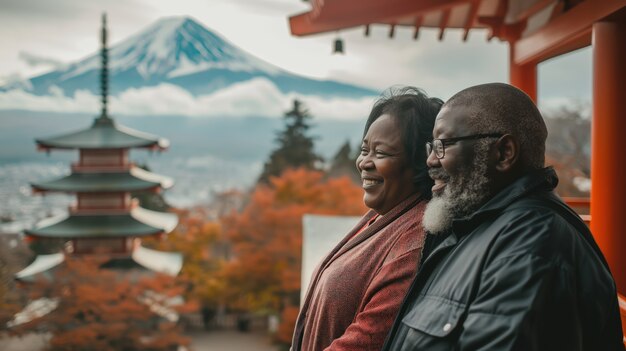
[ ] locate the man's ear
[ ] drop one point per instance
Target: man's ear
(507, 153)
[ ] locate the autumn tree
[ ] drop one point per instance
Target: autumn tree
(568, 147)
(102, 309)
(10, 301)
(14, 255)
(266, 238)
(295, 146)
(199, 240)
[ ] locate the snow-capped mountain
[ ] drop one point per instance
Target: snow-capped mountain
(180, 51)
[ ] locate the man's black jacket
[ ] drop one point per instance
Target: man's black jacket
(521, 273)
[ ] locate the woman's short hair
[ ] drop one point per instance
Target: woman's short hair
(415, 114)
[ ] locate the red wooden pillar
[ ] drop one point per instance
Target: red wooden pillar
(523, 77)
(608, 144)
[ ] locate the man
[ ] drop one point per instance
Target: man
(514, 267)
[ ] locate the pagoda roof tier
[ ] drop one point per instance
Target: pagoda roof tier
(138, 222)
(42, 264)
(105, 133)
(133, 179)
(169, 263)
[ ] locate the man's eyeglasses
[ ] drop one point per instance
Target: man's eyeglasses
(439, 145)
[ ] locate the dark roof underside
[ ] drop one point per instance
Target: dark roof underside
(104, 134)
(134, 180)
(98, 226)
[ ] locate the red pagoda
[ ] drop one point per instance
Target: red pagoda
(105, 220)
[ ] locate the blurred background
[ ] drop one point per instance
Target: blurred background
(263, 128)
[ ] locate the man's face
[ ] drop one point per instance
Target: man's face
(461, 177)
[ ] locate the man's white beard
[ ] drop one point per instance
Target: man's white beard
(437, 216)
(463, 194)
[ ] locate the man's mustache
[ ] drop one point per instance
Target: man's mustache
(438, 173)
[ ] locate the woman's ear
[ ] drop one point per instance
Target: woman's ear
(507, 153)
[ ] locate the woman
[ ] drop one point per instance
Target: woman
(356, 291)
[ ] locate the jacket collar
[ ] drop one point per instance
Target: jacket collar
(542, 179)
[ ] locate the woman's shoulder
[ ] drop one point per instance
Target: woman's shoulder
(406, 233)
(409, 220)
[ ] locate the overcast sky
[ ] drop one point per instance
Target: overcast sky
(36, 35)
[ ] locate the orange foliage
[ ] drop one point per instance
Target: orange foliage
(102, 309)
(566, 172)
(266, 237)
(199, 240)
(10, 301)
(288, 320)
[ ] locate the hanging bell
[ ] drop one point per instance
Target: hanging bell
(338, 47)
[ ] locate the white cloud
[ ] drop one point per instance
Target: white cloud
(34, 60)
(261, 28)
(256, 97)
(15, 81)
(339, 108)
(82, 101)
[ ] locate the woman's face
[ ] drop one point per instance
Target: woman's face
(386, 176)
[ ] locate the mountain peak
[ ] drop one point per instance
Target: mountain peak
(173, 47)
(173, 21)
(183, 52)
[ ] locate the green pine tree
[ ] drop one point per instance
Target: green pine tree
(344, 164)
(295, 146)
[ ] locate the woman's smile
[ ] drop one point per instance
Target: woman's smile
(369, 183)
(386, 175)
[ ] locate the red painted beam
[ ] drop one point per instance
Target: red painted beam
(471, 17)
(523, 76)
(392, 30)
(418, 24)
(608, 166)
(342, 14)
(566, 33)
(531, 10)
(443, 23)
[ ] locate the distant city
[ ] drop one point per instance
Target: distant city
(197, 180)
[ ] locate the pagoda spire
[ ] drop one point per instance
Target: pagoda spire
(104, 69)
(106, 220)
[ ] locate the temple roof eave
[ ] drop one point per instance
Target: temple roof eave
(135, 179)
(344, 14)
(507, 20)
(105, 134)
(42, 263)
(169, 263)
(138, 222)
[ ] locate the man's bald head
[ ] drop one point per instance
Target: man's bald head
(502, 108)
